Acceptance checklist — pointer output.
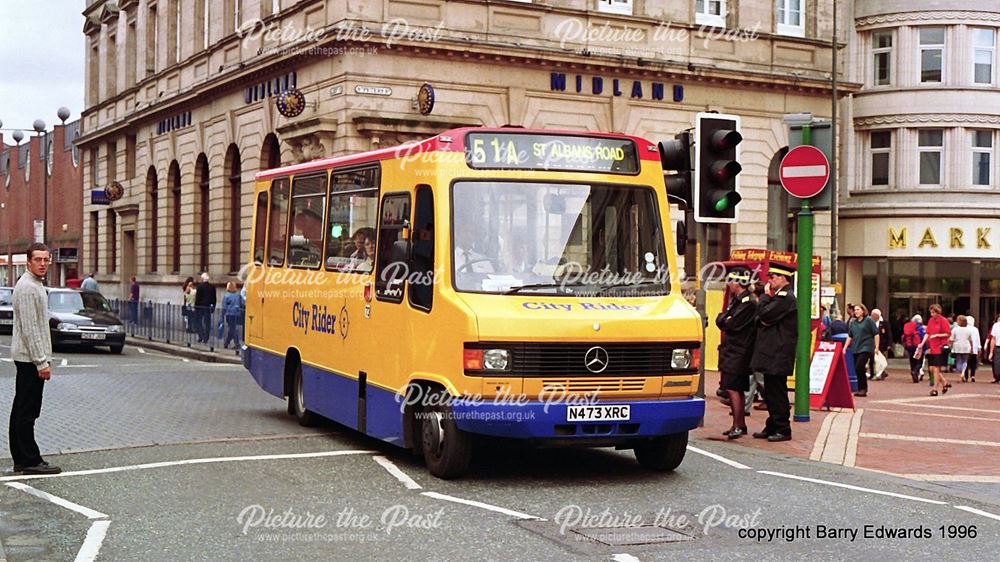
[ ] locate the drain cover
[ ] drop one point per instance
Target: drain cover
(631, 536)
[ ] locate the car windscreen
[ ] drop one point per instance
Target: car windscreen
(6, 296)
(75, 302)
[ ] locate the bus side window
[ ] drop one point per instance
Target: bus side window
(308, 205)
(390, 271)
(260, 229)
(278, 223)
(422, 255)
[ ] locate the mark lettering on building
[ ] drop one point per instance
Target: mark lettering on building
(899, 238)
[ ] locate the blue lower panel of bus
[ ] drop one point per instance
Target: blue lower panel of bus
(331, 395)
(537, 420)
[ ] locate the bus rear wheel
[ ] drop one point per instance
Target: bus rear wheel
(297, 401)
(662, 453)
(447, 449)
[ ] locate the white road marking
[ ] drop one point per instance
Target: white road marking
(140, 350)
(850, 487)
(85, 511)
(64, 362)
(481, 505)
(92, 544)
(399, 474)
(930, 439)
(721, 459)
(78, 366)
(625, 558)
(184, 359)
(186, 462)
(7, 359)
(978, 512)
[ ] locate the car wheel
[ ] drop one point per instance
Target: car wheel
(662, 453)
(117, 349)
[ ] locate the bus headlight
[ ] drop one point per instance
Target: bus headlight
(680, 359)
(496, 359)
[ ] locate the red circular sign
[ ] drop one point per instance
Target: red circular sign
(804, 171)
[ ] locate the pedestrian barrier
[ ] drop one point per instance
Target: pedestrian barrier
(176, 324)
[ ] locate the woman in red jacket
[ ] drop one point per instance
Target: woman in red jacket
(938, 334)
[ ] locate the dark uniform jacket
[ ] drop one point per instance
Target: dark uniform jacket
(777, 333)
(738, 324)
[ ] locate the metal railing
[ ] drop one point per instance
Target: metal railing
(178, 325)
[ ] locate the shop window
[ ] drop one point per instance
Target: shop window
(791, 19)
(930, 145)
(881, 157)
(983, 52)
(882, 58)
(931, 55)
(982, 157)
(710, 12)
(615, 6)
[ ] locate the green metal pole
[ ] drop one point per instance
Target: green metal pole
(803, 295)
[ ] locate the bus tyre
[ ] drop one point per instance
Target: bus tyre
(298, 402)
(662, 453)
(447, 449)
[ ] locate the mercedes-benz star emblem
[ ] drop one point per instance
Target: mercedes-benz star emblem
(596, 359)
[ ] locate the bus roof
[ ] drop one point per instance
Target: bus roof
(452, 140)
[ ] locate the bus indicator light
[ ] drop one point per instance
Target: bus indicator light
(473, 359)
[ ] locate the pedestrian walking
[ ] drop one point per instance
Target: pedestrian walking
(738, 326)
(994, 356)
(774, 350)
(31, 350)
(862, 338)
(913, 336)
(133, 301)
(232, 310)
(938, 334)
(204, 302)
(961, 345)
(977, 349)
(90, 284)
(884, 343)
(187, 304)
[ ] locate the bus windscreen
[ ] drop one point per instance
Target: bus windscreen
(523, 151)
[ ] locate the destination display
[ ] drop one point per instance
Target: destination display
(519, 151)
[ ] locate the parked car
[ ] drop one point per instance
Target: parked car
(84, 318)
(6, 310)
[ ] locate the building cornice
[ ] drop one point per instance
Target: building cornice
(924, 17)
(956, 119)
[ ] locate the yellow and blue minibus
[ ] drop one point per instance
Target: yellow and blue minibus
(501, 282)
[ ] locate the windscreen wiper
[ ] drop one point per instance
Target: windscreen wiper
(518, 289)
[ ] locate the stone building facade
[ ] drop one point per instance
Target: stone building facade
(180, 100)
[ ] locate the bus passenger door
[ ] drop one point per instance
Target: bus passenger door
(255, 275)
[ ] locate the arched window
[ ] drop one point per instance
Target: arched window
(174, 184)
(234, 192)
(202, 178)
(270, 153)
(152, 217)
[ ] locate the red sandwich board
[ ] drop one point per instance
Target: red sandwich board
(804, 171)
(829, 386)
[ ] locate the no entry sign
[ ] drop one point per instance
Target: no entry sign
(804, 171)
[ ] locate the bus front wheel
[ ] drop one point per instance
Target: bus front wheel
(298, 402)
(662, 453)
(447, 449)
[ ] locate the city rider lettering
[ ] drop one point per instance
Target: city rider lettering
(547, 306)
(300, 317)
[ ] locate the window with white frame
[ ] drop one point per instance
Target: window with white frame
(983, 51)
(882, 58)
(982, 157)
(881, 156)
(930, 146)
(615, 6)
(931, 54)
(710, 12)
(791, 19)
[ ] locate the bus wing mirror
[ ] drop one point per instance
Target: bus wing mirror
(681, 238)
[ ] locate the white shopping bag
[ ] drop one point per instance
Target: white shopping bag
(880, 364)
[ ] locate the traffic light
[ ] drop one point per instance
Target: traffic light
(716, 168)
(675, 155)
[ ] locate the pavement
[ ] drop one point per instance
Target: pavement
(898, 429)
(186, 351)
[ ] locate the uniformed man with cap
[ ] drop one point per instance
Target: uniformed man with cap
(774, 351)
(738, 326)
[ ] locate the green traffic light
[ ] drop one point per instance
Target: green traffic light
(722, 204)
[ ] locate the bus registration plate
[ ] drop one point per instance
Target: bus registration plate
(619, 412)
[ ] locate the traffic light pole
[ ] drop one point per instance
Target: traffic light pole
(803, 296)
